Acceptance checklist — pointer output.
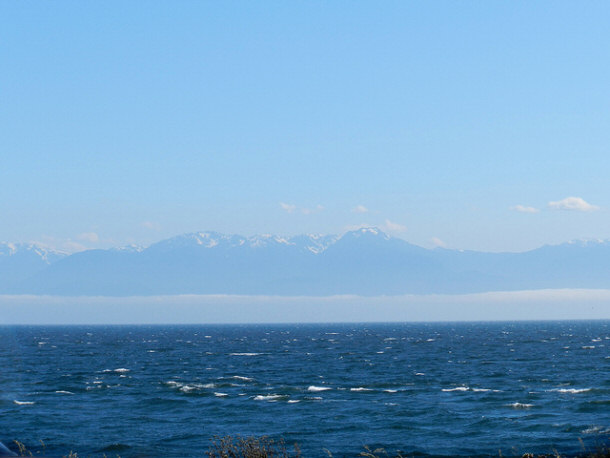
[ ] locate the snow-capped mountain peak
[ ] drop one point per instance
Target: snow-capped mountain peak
(47, 255)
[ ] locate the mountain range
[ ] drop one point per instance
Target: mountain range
(365, 261)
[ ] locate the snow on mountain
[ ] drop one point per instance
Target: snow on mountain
(313, 243)
(19, 261)
(132, 248)
(47, 255)
(364, 261)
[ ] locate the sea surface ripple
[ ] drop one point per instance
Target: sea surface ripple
(436, 388)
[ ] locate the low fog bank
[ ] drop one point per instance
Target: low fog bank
(564, 304)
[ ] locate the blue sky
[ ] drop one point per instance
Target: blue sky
(466, 124)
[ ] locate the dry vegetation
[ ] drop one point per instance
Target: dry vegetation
(265, 447)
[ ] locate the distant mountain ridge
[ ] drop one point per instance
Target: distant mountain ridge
(365, 261)
(19, 261)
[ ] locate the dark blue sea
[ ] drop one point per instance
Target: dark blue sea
(440, 389)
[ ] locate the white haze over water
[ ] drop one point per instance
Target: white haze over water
(552, 304)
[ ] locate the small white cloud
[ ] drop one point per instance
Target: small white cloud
(288, 207)
(72, 247)
(438, 242)
(153, 226)
(573, 204)
(355, 227)
(310, 211)
(524, 209)
(390, 226)
(90, 237)
(360, 209)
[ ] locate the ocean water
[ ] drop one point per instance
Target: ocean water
(439, 389)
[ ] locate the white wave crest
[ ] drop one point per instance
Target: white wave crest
(189, 387)
(221, 395)
(318, 388)
(519, 405)
(571, 390)
(269, 397)
(360, 388)
(596, 430)
(245, 379)
(63, 392)
(23, 403)
(457, 388)
(244, 354)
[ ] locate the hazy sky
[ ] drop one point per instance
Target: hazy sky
(479, 125)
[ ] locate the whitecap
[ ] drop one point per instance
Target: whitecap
(245, 379)
(221, 395)
(64, 392)
(23, 403)
(318, 388)
(571, 390)
(596, 430)
(419, 374)
(519, 405)
(189, 388)
(120, 370)
(244, 354)
(457, 388)
(293, 401)
(269, 397)
(360, 388)
(588, 347)
(391, 391)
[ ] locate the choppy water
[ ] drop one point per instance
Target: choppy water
(451, 389)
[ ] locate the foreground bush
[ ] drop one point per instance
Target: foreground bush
(250, 447)
(265, 447)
